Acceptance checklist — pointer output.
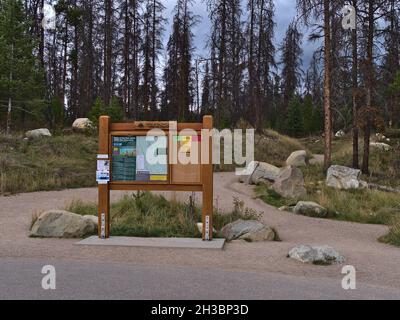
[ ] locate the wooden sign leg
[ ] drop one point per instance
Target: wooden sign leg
(207, 181)
(103, 189)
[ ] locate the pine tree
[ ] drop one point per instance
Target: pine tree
(295, 122)
(291, 53)
(20, 75)
(178, 74)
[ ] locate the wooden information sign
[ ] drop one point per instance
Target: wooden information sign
(123, 162)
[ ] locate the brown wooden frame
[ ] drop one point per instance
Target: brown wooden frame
(138, 128)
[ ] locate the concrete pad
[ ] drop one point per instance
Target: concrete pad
(189, 243)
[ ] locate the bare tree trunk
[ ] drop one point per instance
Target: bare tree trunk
(126, 61)
(327, 80)
(356, 163)
(107, 52)
(8, 130)
(369, 80)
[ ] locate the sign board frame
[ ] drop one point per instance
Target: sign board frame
(141, 128)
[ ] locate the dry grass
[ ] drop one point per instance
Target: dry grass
(47, 164)
(270, 147)
(148, 215)
(365, 206)
(393, 237)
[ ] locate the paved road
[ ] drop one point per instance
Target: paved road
(20, 278)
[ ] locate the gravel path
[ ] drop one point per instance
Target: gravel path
(376, 263)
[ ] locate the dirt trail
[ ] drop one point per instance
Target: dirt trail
(375, 262)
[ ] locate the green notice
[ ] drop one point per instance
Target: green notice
(123, 158)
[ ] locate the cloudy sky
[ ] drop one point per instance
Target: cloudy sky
(284, 13)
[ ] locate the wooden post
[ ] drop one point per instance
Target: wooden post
(207, 181)
(103, 189)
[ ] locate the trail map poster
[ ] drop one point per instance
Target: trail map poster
(147, 168)
(123, 158)
(130, 161)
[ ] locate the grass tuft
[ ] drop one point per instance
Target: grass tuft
(147, 215)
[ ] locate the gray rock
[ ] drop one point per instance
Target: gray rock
(38, 133)
(249, 230)
(340, 177)
(82, 125)
(246, 178)
(265, 171)
(310, 209)
(381, 146)
(340, 134)
(93, 219)
(290, 183)
(324, 255)
(297, 159)
(63, 224)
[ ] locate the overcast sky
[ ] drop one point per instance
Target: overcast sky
(285, 11)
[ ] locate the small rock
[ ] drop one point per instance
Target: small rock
(380, 137)
(310, 209)
(323, 255)
(340, 134)
(297, 159)
(38, 133)
(381, 146)
(82, 125)
(290, 183)
(249, 230)
(340, 177)
(62, 224)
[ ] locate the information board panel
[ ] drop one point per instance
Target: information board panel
(129, 159)
(123, 159)
(133, 161)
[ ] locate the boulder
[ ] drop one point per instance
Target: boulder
(323, 255)
(249, 230)
(290, 183)
(93, 219)
(38, 133)
(63, 224)
(82, 125)
(381, 146)
(297, 159)
(310, 209)
(340, 134)
(264, 171)
(340, 177)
